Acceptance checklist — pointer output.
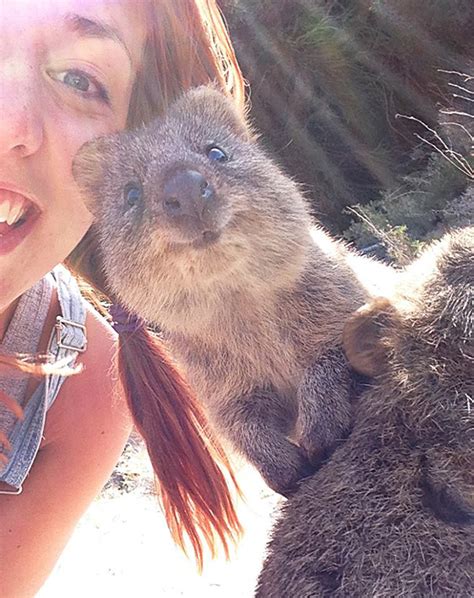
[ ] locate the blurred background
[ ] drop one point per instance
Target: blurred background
(368, 103)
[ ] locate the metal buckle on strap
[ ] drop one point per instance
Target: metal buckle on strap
(15, 491)
(60, 325)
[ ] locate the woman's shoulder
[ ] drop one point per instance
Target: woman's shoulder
(86, 428)
(93, 398)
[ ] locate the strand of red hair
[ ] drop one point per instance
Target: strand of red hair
(193, 489)
(34, 365)
(9, 403)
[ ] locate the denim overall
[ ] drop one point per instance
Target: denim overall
(68, 339)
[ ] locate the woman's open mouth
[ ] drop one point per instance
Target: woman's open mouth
(17, 217)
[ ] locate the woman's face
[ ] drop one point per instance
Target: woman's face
(66, 73)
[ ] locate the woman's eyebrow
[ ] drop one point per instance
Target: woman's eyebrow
(93, 28)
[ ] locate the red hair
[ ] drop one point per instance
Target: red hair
(35, 365)
(9, 361)
(193, 489)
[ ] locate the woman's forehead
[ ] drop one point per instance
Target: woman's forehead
(122, 20)
(50, 9)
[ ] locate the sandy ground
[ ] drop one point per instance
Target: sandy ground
(122, 547)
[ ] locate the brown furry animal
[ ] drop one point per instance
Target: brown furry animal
(391, 514)
(203, 235)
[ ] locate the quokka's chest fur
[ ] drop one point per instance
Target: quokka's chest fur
(239, 358)
(248, 341)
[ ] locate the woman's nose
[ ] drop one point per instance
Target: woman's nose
(21, 123)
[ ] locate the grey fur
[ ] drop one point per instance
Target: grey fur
(391, 514)
(251, 316)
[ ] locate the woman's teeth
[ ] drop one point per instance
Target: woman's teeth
(12, 211)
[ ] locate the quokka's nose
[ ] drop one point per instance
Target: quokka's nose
(187, 193)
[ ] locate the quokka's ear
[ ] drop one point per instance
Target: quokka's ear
(210, 103)
(89, 167)
(364, 335)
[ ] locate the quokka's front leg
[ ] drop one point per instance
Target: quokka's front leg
(257, 424)
(324, 404)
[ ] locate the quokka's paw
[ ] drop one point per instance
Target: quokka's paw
(284, 473)
(318, 445)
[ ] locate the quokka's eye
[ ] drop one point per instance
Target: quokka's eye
(215, 154)
(133, 194)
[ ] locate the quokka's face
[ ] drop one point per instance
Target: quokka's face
(193, 185)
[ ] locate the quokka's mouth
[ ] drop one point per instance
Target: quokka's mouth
(202, 240)
(208, 238)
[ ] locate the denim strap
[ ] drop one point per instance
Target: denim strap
(68, 339)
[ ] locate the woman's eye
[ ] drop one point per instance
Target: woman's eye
(77, 80)
(84, 84)
(133, 194)
(215, 154)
